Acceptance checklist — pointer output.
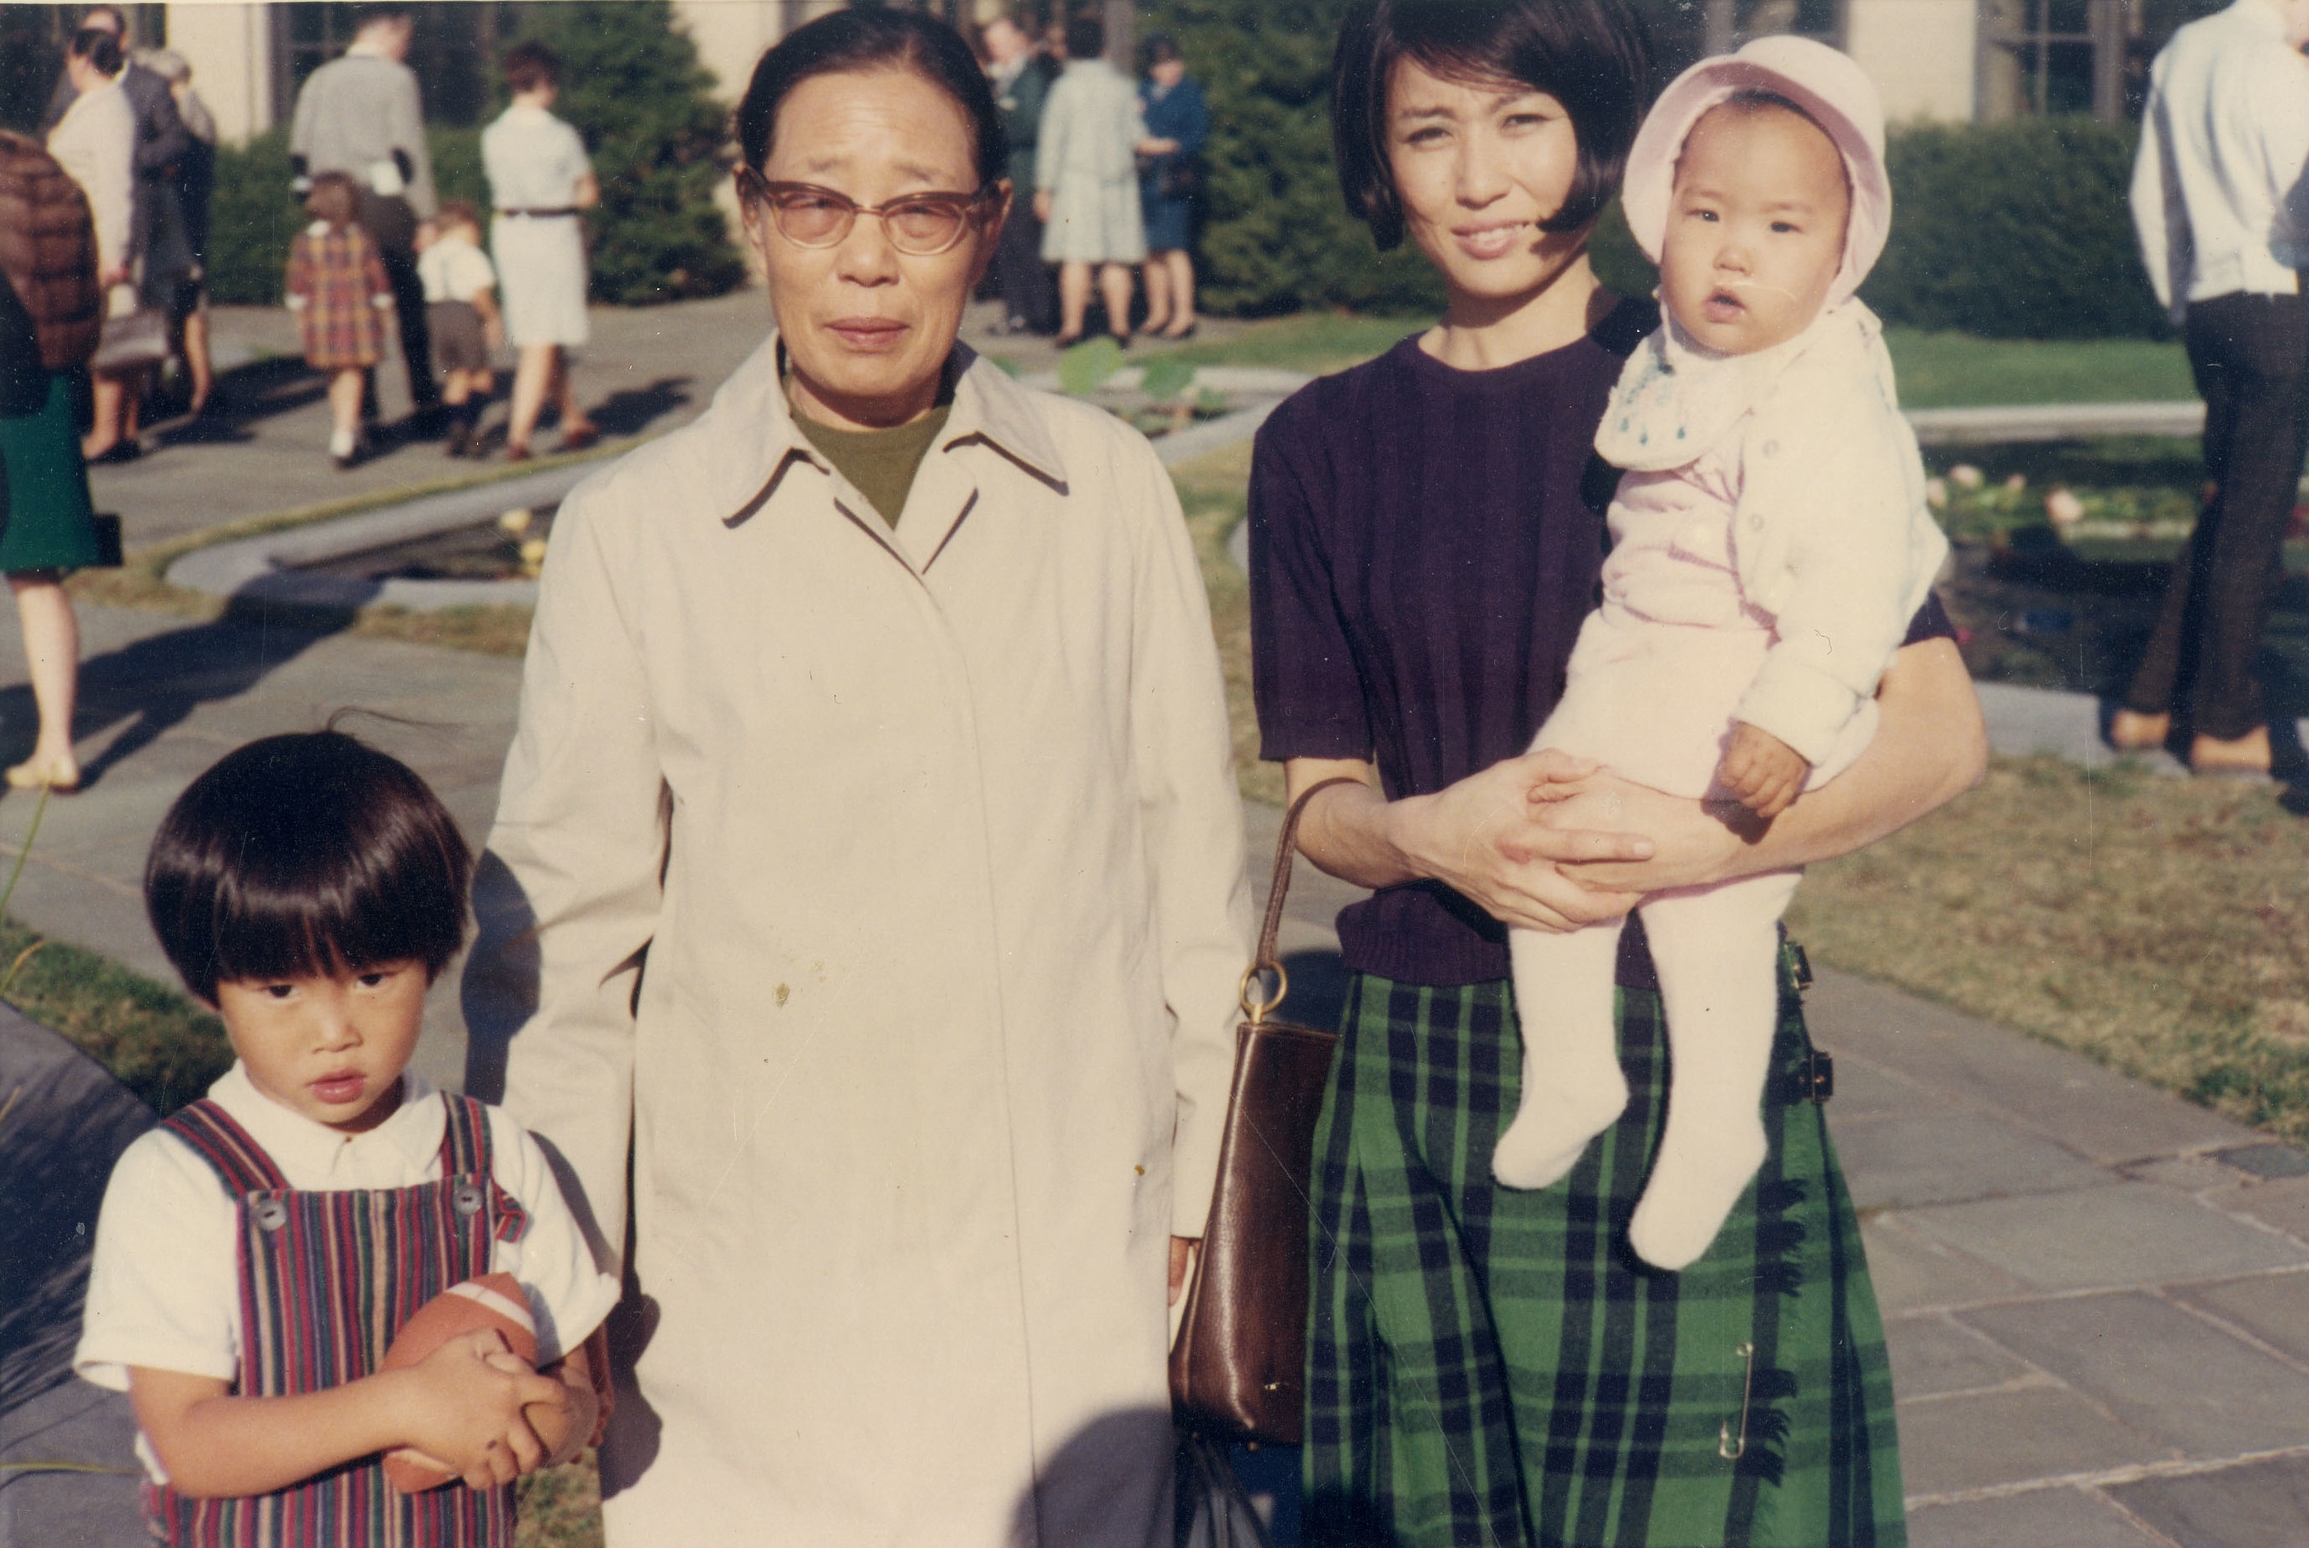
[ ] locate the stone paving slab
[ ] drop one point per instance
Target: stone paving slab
(2051, 1518)
(2265, 1505)
(2273, 1308)
(1946, 1158)
(1915, 1273)
(2159, 1370)
(1949, 1446)
(2127, 1233)
(2090, 1110)
(1933, 1355)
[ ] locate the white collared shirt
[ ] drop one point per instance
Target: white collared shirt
(2218, 196)
(163, 1291)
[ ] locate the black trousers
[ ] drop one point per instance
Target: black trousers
(1021, 278)
(392, 224)
(2250, 357)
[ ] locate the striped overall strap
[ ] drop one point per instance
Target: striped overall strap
(467, 1161)
(239, 1161)
(326, 1280)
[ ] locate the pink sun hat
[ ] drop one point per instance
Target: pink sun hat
(1818, 79)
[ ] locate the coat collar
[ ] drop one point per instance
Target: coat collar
(751, 426)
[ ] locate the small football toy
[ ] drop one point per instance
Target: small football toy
(493, 1301)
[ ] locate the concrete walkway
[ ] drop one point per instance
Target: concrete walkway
(2098, 1295)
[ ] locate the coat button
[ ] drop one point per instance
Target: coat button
(1755, 521)
(1771, 448)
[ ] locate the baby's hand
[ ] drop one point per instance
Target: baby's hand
(466, 1409)
(1761, 772)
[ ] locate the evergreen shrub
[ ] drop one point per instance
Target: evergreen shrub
(2018, 230)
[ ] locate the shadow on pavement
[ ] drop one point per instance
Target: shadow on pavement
(631, 410)
(244, 395)
(153, 684)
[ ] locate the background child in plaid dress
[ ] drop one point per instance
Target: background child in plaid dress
(338, 289)
(258, 1251)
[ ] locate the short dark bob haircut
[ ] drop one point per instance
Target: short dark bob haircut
(1593, 56)
(528, 66)
(100, 48)
(306, 855)
(852, 41)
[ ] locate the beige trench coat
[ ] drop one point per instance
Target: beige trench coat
(931, 843)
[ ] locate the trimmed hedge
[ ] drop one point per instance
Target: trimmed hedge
(2004, 231)
(2015, 231)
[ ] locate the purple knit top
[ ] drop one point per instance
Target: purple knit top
(1425, 544)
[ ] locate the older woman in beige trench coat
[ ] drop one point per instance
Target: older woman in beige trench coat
(884, 881)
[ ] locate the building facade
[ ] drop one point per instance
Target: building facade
(1933, 60)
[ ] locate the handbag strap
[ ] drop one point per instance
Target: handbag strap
(1279, 889)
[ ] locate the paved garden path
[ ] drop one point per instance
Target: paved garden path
(2098, 1295)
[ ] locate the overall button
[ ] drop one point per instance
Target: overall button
(271, 1214)
(467, 1199)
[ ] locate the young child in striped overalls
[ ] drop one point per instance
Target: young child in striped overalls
(258, 1251)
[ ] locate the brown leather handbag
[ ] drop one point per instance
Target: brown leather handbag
(1238, 1369)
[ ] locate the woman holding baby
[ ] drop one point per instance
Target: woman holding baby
(1492, 1363)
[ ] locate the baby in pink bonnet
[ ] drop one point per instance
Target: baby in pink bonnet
(1770, 544)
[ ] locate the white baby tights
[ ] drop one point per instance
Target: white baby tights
(1716, 952)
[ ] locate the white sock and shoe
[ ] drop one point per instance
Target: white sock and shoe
(1572, 1085)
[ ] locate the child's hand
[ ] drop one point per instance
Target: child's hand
(1761, 772)
(465, 1408)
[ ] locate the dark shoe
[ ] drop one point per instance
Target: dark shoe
(1187, 332)
(459, 441)
(579, 439)
(1121, 340)
(118, 452)
(517, 453)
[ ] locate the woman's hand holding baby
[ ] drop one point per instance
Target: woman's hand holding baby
(1495, 837)
(1761, 772)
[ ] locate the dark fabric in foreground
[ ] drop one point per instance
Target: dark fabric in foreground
(1490, 1366)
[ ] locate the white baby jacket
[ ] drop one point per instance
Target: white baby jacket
(1831, 534)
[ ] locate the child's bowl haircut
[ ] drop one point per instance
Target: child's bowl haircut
(306, 855)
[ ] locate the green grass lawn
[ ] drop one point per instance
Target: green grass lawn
(1936, 370)
(1954, 370)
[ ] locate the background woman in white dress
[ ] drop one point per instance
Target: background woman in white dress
(539, 180)
(1086, 183)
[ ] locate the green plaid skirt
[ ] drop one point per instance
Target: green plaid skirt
(1493, 1367)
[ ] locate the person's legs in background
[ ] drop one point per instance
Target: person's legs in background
(1115, 288)
(543, 373)
(1022, 278)
(199, 368)
(577, 431)
(52, 649)
(1178, 269)
(1073, 299)
(1158, 294)
(2250, 356)
(347, 390)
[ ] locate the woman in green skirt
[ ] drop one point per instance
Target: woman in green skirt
(49, 530)
(1491, 1366)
